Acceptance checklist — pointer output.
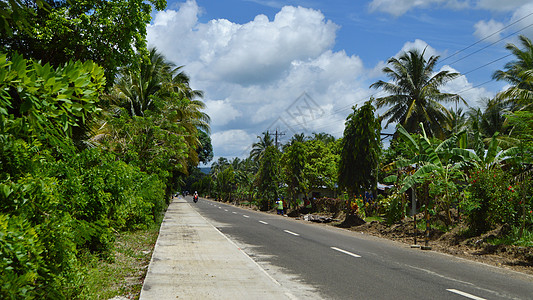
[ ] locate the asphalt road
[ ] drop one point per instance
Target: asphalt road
(342, 264)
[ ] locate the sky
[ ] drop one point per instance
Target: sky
(300, 66)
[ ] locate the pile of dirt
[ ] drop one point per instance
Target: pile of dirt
(457, 243)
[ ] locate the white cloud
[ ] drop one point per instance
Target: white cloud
(260, 69)
(221, 112)
(233, 142)
(465, 89)
(489, 30)
(524, 19)
(419, 45)
(400, 7)
(251, 53)
(499, 5)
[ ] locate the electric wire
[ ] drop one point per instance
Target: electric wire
(343, 108)
(487, 37)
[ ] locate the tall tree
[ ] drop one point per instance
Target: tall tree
(414, 95)
(55, 32)
(267, 179)
(294, 162)
(518, 73)
(259, 147)
(360, 151)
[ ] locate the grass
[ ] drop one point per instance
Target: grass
(374, 218)
(513, 238)
(124, 275)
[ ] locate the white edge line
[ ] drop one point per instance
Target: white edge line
(345, 252)
(467, 295)
(263, 222)
(290, 232)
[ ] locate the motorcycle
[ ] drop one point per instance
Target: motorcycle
(195, 199)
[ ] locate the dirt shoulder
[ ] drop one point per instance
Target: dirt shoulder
(456, 243)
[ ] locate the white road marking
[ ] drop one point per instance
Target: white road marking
(225, 210)
(263, 222)
(245, 216)
(345, 252)
(234, 212)
(290, 232)
(467, 295)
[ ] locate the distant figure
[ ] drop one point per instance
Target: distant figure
(279, 204)
(195, 197)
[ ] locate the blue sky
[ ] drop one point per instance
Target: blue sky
(299, 66)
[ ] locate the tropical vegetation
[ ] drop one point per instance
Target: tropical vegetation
(474, 165)
(93, 143)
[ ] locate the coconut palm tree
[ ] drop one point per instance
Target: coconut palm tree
(414, 95)
(155, 89)
(138, 82)
(519, 73)
(259, 148)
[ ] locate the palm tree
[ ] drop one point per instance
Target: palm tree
(137, 83)
(154, 88)
(414, 95)
(259, 148)
(519, 73)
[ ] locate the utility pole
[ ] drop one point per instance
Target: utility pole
(280, 134)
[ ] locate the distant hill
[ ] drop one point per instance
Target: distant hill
(205, 170)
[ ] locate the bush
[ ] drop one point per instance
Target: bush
(393, 208)
(490, 200)
(21, 258)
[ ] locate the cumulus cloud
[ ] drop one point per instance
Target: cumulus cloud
(221, 112)
(254, 73)
(234, 142)
(489, 30)
(251, 53)
(524, 19)
(464, 88)
(419, 45)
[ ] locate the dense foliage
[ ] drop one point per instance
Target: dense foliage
(75, 167)
(474, 166)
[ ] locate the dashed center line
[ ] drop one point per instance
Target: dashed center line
(467, 295)
(225, 210)
(290, 232)
(263, 222)
(245, 216)
(345, 252)
(233, 212)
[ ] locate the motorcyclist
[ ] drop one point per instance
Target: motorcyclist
(195, 196)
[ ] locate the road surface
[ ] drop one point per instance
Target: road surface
(342, 264)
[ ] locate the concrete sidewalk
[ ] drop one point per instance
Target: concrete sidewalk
(193, 260)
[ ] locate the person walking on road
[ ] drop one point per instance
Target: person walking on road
(279, 204)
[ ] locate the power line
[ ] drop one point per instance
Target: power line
(479, 50)
(487, 37)
(444, 59)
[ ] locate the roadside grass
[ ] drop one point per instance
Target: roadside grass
(374, 218)
(513, 238)
(124, 273)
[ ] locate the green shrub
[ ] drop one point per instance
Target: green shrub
(21, 258)
(490, 200)
(393, 208)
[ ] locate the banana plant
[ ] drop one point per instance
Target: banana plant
(435, 167)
